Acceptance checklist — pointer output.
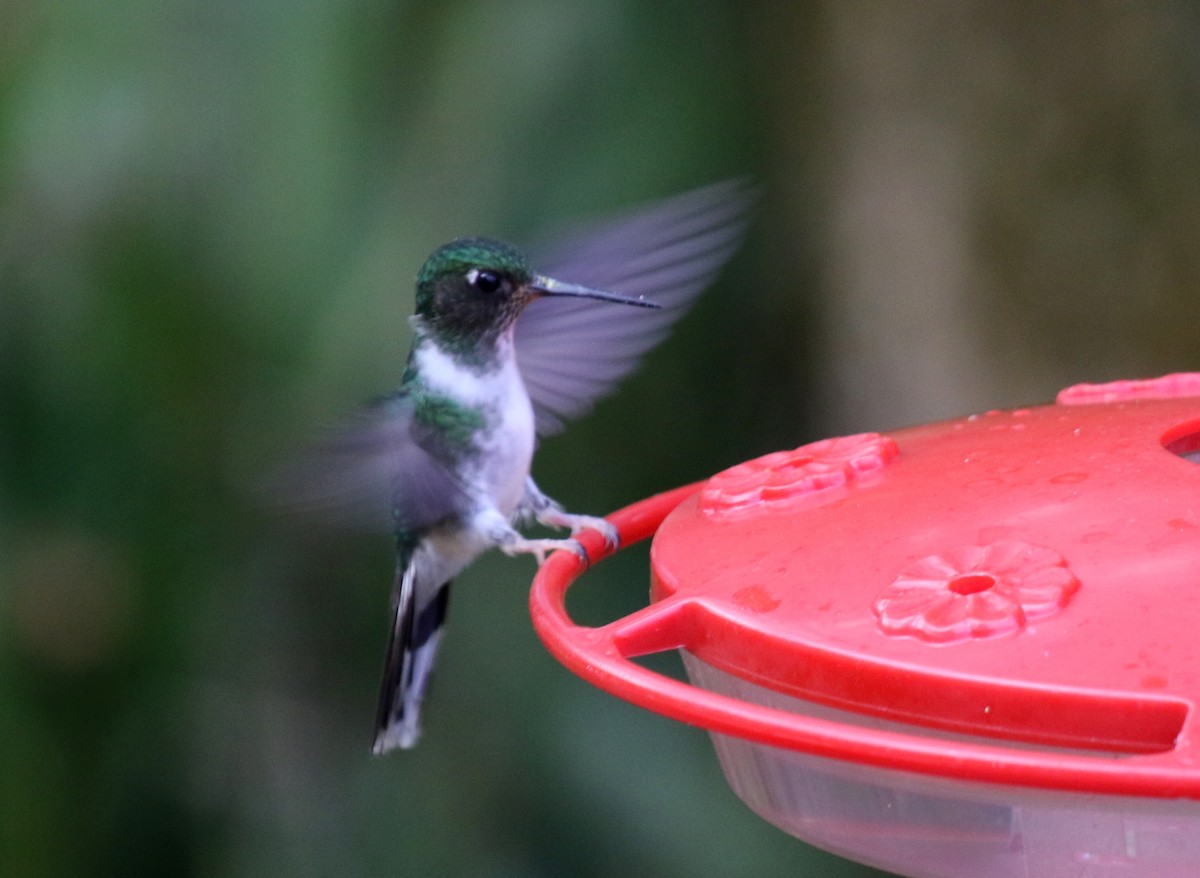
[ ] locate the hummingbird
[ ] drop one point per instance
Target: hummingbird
(501, 355)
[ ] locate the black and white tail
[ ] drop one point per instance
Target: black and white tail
(418, 613)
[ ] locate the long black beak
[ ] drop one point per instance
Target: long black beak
(548, 286)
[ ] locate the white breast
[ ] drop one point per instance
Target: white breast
(506, 443)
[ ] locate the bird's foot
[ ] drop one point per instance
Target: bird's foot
(550, 513)
(556, 516)
(519, 545)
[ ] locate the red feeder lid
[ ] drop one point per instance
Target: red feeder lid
(1027, 578)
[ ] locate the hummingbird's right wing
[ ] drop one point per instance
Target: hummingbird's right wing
(373, 472)
(572, 351)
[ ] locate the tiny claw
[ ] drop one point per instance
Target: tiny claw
(580, 552)
(612, 537)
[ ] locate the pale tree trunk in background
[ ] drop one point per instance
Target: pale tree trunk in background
(1005, 199)
(898, 288)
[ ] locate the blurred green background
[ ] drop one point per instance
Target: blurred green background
(210, 217)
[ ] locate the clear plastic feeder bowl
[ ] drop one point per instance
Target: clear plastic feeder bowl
(964, 649)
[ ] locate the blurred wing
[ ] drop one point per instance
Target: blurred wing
(373, 473)
(571, 352)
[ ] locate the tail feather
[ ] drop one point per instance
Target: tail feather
(418, 614)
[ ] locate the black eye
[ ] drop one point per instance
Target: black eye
(483, 280)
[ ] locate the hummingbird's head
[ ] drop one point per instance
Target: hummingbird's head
(471, 290)
(472, 287)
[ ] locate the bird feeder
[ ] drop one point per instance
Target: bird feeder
(967, 648)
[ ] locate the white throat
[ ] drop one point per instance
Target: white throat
(443, 374)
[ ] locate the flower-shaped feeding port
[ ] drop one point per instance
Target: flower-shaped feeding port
(776, 480)
(975, 592)
(1174, 386)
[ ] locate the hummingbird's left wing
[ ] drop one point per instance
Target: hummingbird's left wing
(373, 472)
(572, 351)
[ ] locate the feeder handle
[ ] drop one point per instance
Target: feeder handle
(602, 657)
